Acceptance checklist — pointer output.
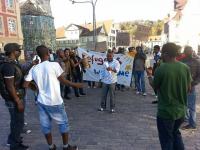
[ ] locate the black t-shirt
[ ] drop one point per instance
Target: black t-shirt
(10, 70)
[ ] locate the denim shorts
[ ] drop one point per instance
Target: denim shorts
(49, 113)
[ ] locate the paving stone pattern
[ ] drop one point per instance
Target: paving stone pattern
(132, 127)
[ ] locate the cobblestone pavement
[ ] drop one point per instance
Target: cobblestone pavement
(132, 127)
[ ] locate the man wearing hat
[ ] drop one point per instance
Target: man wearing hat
(11, 78)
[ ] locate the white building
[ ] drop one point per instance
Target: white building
(82, 36)
(185, 30)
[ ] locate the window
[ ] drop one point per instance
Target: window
(1, 24)
(10, 3)
(12, 25)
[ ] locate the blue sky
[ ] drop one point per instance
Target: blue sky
(65, 12)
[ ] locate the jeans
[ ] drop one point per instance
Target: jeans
(16, 124)
(133, 80)
(140, 82)
(169, 134)
(105, 89)
(191, 108)
(55, 112)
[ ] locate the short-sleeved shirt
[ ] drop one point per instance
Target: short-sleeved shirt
(172, 81)
(10, 70)
(46, 76)
(109, 77)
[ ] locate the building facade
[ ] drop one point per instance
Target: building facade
(82, 36)
(37, 26)
(10, 23)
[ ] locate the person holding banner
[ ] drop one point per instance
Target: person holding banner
(108, 77)
(77, 72)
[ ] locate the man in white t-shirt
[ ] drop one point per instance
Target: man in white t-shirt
(47, 76)
(109, 78)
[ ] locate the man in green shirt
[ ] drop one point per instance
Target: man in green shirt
(172, 82)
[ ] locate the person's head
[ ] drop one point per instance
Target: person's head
(60, 53)
(114, 49)
(169, 52)
(131, 49)
(43, 52)
(179, 50)
(139, 49)
(67, 52)
(110, 55)
(156, 49)
(188, 51)
(12, 50)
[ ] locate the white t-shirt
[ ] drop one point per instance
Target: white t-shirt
(46, 76)
(109, 77)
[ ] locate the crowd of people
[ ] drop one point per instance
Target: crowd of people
(173, 78)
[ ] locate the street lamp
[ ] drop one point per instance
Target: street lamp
(93, 2)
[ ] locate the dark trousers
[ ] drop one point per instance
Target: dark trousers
(105, 89)
(169, 134)
(16, 124)
(76, 79)
(91, 84)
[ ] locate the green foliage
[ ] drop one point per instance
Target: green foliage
(157, 28)
(131, 26)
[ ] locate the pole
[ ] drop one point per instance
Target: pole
(94, 18)
(94, 29)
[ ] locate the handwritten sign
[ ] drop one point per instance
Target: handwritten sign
(96, 60)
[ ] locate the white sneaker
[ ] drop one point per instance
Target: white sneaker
(137, 92)
(144, 94)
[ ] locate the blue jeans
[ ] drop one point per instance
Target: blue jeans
(57, 113)
(169, 134)
(191, 108)
(133, 80)
(140, 82)
(105, 89)
(16, 124)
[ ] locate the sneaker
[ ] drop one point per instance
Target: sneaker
(8, 142)
(188, 127)
(154, 102)
(54, 147)
(137, 92)
(71, 148)
(144, 94)
(101, 109)
(26, 131)
(77, 95)
(112, 111)
(20, 147)
(23, 146)
(67, 97)
(82, 94)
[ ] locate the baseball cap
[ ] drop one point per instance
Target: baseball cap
(10, 47)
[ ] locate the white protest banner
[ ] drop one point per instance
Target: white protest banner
(96, 60)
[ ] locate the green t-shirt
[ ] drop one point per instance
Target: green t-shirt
(172, 81)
